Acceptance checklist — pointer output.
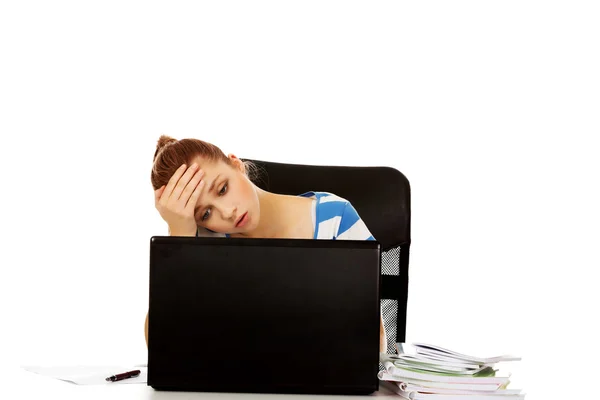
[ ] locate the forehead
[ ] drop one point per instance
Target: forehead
(211, 168)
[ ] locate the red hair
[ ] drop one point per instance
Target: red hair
(171, 153)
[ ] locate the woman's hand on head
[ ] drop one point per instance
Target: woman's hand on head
(176, 201)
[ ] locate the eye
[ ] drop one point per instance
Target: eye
(206, 214)
(223, 189)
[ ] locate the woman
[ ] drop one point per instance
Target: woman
(200, 191)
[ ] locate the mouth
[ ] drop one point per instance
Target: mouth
(241, 220)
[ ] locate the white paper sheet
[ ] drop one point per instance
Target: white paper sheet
(90, 374)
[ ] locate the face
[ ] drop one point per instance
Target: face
(228, 202)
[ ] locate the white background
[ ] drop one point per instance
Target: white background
(490, 109)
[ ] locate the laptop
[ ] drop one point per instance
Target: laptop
(264, 315)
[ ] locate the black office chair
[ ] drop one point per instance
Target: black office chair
(381, 196)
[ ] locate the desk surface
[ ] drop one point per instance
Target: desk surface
(22, 384)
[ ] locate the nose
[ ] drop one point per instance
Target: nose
(228, 211)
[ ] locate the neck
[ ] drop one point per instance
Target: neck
(273, 209)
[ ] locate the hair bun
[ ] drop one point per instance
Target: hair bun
(164, 140)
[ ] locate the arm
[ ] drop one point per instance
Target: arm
(352, 227)
(382, 337)
(146, 330)
(182, 232)
(171, 233)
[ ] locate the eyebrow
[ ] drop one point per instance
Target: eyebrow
(212, 185)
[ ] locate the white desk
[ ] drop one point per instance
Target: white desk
(18, 383)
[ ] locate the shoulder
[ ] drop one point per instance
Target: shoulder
(328, 204)
(338, 218)
(326, 197)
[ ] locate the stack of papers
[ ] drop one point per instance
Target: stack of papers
(426, 372)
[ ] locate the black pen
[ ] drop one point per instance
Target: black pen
(124, 375)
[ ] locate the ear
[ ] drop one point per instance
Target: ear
(237, 163)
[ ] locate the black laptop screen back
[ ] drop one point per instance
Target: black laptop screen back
(231, 314)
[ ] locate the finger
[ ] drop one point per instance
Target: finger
(189, 189)
(183, 181)
(172, 182)
(158, 192)
(191, 204)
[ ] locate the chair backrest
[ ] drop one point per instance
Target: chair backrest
(381, 196)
